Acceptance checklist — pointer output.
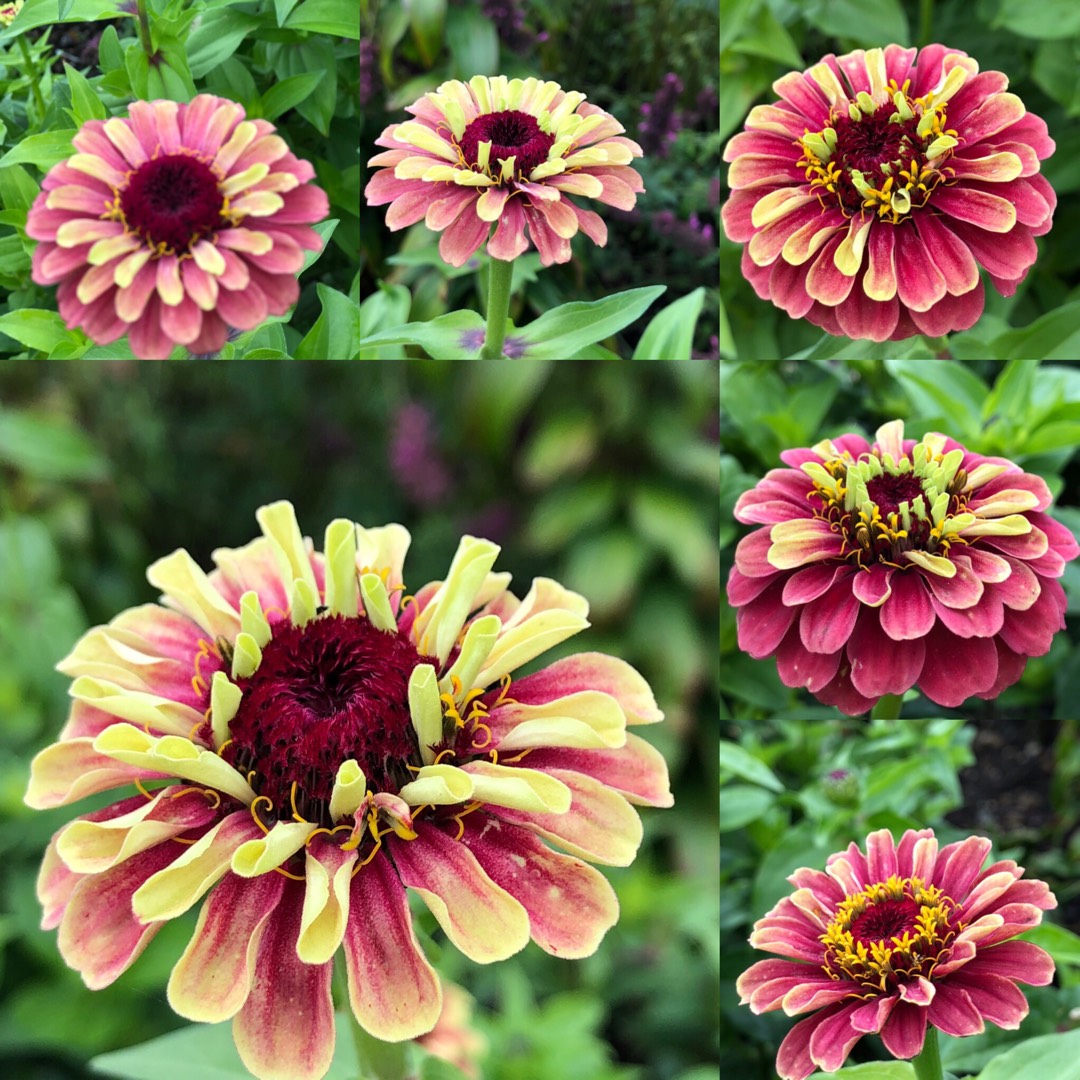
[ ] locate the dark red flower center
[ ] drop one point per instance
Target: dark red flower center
(172, 201)
(335, 689)
(511, 134)
(886, 920)
(890, 491)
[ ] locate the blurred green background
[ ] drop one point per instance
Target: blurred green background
(604, 476)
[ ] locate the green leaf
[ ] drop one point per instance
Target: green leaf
(232, 80)
(37, 13)
(335, 17)
(735, 759)
(218, 36)
(325, 229)
(388, 306)
(44, 150)
(18, 190)
(473, 43)
(34, 328)
(1053, 336)
(874, 1070)
(673, 523)
(941, 390)
(741, 803)
(765, 36)
(336, 331)
(1062, 944)
(110, 55)
(670, 333)
(48, 448)
(1046, 1056)
(865, 24)
(282, 9)
(427, 19)
(448, 337)
(1011, 395)
(207, 1051)
(562, 331)
(87, 105)
(608, 567)
(288, 93)
(1046, 19)
(64, 8)
(1055, 436)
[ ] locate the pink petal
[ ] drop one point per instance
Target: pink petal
(762, 623)
(394, 990)
(461, 240)
(100, 937)
(826, 623)
(637, 770)
(570, 905)
(798, 667)
(213, 977)
(953, 1011)
(905, 1030)
(285, 1030)
(908, 613)
(956, 668)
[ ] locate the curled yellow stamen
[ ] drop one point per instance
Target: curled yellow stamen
(139, 785)
(255, 802)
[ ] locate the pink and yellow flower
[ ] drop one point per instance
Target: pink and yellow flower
(889, 941)
(871, 194)
(879, 568)
(9, 10)
(174, 225)
(508, 153)
(307, 742)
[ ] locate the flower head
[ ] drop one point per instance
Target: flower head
(453, 1038)
(899, 564)
(306, 741)
(873, 192)
(509, 152)
(893, 939)
(174, 224)
(9, 10)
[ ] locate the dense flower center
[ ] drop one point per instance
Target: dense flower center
(335, 689)
(884, 507)
(172, 201)
(512, 134)
(891, 931)
(884, 154)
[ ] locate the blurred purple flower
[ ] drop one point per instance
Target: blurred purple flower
(415, 460)
(369, 71)
(660, 121)
(509, 20)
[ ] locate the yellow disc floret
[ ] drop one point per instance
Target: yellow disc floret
(892, 931)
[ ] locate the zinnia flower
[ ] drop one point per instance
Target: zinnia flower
(334, 742)
(175, 224)
(509, 152)
(9, 10)
(881, 568)
(869, 196)
(892, 940)
(453, 1038)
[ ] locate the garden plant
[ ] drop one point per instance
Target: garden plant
(899, 178)
(429, 794)
(899, 680)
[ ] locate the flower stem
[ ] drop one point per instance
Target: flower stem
(926, 21)
(888, 707)
(144, 29)
(928, 1062)
(498, 307)
(378, 1060)
(32, 71)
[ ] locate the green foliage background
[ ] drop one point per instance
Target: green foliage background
(602, 476)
